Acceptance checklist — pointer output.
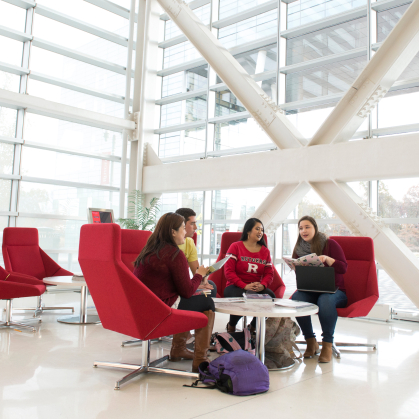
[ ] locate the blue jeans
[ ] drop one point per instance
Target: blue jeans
(328, 314)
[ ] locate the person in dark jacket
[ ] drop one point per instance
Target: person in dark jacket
(310, 240)
(163, 268)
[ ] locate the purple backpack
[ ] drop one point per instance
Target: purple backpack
(239, 373)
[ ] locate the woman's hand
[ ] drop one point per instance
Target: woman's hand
(202, 270)
(327, 260)
(254, 286)
(249, 287)
(205, 285)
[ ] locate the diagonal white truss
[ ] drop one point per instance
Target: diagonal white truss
(394, 55)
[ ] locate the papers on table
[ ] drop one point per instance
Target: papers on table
(229, 300)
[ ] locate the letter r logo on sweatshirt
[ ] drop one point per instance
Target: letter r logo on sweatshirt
(253, 268)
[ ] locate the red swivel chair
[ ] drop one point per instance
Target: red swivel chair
(22, 254)
(360, 281)
(228, 238)
(14, 285)
(124, 304)
(132, 242)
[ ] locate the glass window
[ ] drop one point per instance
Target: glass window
(6, 158)
(5, 190)
(323, 80)
(62, 200)
(387, 19)
(232, 7)
(74, 71)
(398, 110)
(179, 54)
(302, 12)
(239, 133)
(171, 30)
(71, 135)
(8, 122)
(333, 40)
(177, 143)
(12, 16)
(189, 110)
(11, 51)
(73, 98)
(249, 30)
(81, 41)
(258, 60)
(185, 81)
(4, 222)
(86, 12)
(64, 166)
(226, 103)
(9, 81)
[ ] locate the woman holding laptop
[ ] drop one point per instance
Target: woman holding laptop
(310, 240)
(163, 268)
(249, 267)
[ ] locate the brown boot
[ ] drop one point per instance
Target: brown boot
(202, 341)
(179, 350)
(326, 353)
(312, 348)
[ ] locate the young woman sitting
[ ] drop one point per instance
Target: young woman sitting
(310, 240)
(163, 268)
(249, 267)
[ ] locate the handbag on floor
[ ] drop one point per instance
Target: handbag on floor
(238, 372)
(228, 342)
(280, 336)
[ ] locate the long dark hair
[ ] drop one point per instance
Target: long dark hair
(161, 237)
(248, 226)
(316, 245)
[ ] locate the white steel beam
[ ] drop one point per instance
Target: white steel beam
(112, 7)
(24, 4)
(76, 87)
(68, 52)
(9, 177)
(250, 94)
(79, 24)
(393, 255)
(13, 34)
(385, 67)
(194, 4)
(10, 140)
(379, 6)
(44, 107)
(378, 158)
(68, 183)
(14, 69)
(276, 207)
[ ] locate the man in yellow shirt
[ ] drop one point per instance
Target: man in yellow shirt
(189, 248)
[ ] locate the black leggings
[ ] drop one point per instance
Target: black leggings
(199, 303)
(233, 291)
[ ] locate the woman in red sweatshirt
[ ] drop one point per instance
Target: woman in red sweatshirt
(163, 268)
(311, 240)
(249, 267)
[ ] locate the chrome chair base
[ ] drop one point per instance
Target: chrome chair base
(40, 308)
(145, 367)
(14, 325)
(167, 339)
(335, 345)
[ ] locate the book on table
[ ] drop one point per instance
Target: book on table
(253, 296)
(309, 260)
(292, 303)
(205, 292)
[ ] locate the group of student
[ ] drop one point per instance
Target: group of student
(163, 266)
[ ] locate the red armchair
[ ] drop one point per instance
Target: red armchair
(277, 285)
(360, 280)
(22, 254)
(124, 304)
(132, 242)
(14, 285)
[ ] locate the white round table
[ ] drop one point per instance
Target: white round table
(68, 281)
(261, 310)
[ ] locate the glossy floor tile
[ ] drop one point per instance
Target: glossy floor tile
(50, 374)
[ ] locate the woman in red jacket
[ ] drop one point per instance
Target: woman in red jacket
(310, 240)
(249, 267)
(163, 268)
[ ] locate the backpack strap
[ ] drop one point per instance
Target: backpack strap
(231, 341)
